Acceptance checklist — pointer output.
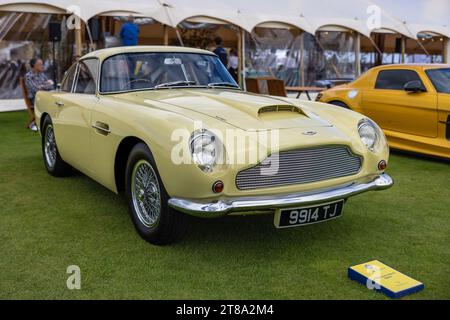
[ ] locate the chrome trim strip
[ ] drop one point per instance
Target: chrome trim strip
(224, 207)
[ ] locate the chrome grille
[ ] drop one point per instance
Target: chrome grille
(300, 166)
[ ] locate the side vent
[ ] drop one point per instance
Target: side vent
(280, 108)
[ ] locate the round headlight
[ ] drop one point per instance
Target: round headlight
(369, 134)
(205, 149)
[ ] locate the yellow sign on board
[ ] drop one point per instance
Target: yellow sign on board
(378, 276)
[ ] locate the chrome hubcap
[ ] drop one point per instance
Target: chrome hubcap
(50, 146)
(146, 193)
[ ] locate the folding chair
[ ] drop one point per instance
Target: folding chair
(276, 87)
(252, 85)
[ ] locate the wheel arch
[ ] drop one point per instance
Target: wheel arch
(121, 158)
(41, 122)
(340, 103)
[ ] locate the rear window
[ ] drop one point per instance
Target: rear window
(395, 79)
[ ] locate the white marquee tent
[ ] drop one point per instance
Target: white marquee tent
(407, 17)
(298, 41)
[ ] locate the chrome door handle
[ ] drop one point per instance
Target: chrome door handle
(59, 103)
(102, 127)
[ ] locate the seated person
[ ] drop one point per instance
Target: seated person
(36, 80)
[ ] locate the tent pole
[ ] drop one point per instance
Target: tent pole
(239, 52)
(302, 59)
(403, 45)
(241, 57)
(91, 42)
(166, 35)
(180, 39)
(447, 50)
(423, 47)
(78, 41)
(358, 54)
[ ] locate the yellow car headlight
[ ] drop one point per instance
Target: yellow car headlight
(206, 149)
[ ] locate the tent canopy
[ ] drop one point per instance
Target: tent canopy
(407, 17)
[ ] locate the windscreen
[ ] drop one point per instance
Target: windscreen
(140, 71)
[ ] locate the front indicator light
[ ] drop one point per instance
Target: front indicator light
(218, 186)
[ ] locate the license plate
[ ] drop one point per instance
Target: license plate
(293, 217)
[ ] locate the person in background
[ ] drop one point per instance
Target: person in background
(233, 64)
(220, 51)
(36, 80)
(129, 33)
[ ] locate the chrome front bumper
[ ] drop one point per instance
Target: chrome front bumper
(267, 203)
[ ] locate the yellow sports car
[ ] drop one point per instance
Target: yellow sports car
(411, 103)
(170, 128)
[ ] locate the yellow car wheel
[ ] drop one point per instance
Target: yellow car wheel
(53, 162)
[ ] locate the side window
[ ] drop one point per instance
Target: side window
(395, 79)
(87, 77)
(66, 85)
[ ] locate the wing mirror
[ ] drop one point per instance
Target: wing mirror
(414, 86)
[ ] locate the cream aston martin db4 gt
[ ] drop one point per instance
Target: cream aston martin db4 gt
(170, 128)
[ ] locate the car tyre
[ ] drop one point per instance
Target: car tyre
(53, 162)
(155, 221)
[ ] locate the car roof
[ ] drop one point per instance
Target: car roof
(412, 66)
(105, 53)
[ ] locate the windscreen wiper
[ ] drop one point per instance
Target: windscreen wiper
(222, 84)
(174, 84)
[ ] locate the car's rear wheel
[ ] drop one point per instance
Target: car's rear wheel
(53, 162)
(147, 198)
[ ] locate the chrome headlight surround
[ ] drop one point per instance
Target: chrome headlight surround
(371, 135)
(206, 149)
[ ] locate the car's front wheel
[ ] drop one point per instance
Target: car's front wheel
(147, 198)
(53, 162)
(340, 104)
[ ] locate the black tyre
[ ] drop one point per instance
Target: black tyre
(340, 104)
(147, 198)
(52, 159)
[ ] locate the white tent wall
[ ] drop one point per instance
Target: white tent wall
(407, 17)
(300, 58)
(422, 15)
(25, 35)
(403, 16)
(311, 19)
(87, 9)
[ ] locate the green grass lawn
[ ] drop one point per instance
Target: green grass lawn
(47, 224)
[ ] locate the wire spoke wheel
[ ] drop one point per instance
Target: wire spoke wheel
(146, 193)
(50, 146)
